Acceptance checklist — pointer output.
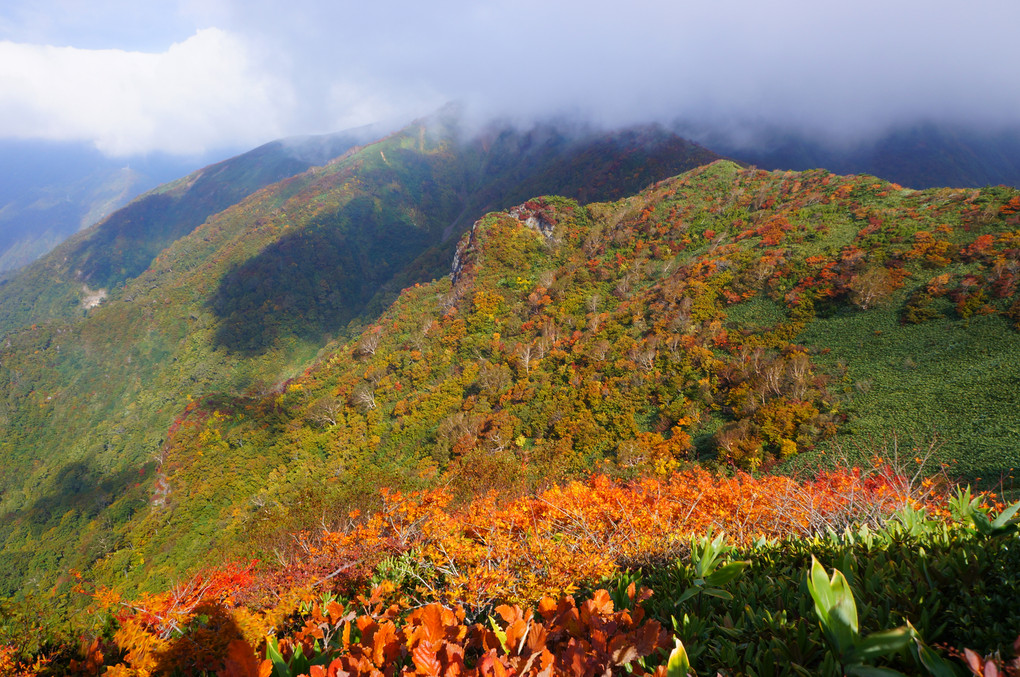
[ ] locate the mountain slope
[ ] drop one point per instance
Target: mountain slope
(247, 299)
(50, 190)
(728, 316)
(69, 279)
(356, 254)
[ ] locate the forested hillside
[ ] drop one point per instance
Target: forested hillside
(95, 262)
(728, 319)
(734, 317)
(236, 306)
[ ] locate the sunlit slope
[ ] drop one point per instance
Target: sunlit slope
(102, 258)
(247, 299)
(728, 316)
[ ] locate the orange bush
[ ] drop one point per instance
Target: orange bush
(487, 552)
(563, 638)
(548, 544)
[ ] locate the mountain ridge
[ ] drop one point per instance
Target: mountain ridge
(918, 155)
(88, 401)
(626, 337)
(122, 245)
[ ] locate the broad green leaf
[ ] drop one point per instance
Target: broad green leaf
(678, 665)
(299, 664)
(500, 634)
(935, 664)
(280, 668)
(726, 573)
(982, 523)
(707, 553)
(845, 608)
(1004, 516)
(821, 592)
(883, 643)
(835, 606)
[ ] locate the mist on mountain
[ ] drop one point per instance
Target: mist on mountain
(919, 154)
(50, 190)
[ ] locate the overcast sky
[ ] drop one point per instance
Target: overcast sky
(190, 76)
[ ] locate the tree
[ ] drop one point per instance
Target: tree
(870, 287)
(326, 411)
(525, 353)
(364, 397)
(368, 343)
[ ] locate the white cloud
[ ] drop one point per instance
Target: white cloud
(309, 66)
(201, 93)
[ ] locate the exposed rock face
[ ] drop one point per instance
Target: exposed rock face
(532, 219)
(91, 298)
(523, 213)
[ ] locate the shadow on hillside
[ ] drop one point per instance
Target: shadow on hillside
(79, 487)
(313, 282)
(54, 523)
(184, 655)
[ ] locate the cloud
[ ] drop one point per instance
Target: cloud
(199, 93)
(834, 70)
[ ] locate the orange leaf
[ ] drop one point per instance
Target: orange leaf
(334, 611)
(425, 660)
(490, 664)
(621, 650)
(515, 633)
(385, 645)
(602, 603)
(433, 622)
(547, 608)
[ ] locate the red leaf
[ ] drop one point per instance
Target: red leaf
(973, 661)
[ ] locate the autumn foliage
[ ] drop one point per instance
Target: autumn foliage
(615, 342)
(546, 544)
(12, 666)
(458, 561)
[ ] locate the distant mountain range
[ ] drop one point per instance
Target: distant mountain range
(921, 155)
(49, 191)
(96, 259)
